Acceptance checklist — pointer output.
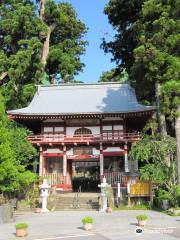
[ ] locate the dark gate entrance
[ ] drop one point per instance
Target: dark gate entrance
(85, 174)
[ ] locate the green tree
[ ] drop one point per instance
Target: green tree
(36, 46)
(122, 14)
(146, 43)
(112, 76)
(158, 159)
(157, 53)
(15, 156)
(157, 61)
(63, 43)
(152, 28)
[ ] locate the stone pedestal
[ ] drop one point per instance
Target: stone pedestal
(44, 194)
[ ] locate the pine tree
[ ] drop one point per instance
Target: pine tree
(38, 42)
(147, 44)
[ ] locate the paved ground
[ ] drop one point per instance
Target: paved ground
(116, 226)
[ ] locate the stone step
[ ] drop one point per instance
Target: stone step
(79, 204)
(80, 207)
(83, 199)
(76, 209)
(82, 194)
(79, 200)
(69, 201)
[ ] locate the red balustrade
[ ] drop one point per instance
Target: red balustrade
(117, 136)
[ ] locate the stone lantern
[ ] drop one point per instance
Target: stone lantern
(44, 194)
(104, 198)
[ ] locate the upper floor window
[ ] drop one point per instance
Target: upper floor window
(82, 131)
(54, 129)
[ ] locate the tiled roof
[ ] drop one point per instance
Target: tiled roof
(83, 99)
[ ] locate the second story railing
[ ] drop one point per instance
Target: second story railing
(92, 138)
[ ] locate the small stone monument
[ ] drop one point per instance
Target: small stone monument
(44, 194)
(104, 198)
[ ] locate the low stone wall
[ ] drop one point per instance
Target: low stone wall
(6, 213)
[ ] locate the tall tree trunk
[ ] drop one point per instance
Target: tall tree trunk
(160, 117)
(45, 50)
(42, 9)
(46, 44)
(177, 127)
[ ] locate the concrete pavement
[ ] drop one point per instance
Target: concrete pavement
(116, 226)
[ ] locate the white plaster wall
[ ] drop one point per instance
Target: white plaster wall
(70, 152)
(109, 127)
(94, 129)
(113, 149)
(53, 150)
(118, 127)
(96, 151)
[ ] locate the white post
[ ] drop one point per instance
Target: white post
(64, 165)
(40, 163)
(126, 165)
(119, 190)
(128, 188)
(101, 164)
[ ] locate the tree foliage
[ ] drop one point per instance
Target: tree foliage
(146, 43)
(122, 14)
(23, 46)
(157, 56)
(15, 156)
(159, 160)
(112, 76)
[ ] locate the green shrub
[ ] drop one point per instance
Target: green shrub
(87, 220)
(175, 200)
(21, 225)
(163, 195)
(142, 217)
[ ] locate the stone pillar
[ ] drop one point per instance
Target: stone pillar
(126, 163)
(64, 162)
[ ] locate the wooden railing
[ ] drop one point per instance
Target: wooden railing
(105, 137)
(54, 178)
(115, 177)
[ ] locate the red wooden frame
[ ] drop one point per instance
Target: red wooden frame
(82, 157)
(112, 154)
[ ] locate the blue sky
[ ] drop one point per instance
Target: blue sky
(91, 13)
